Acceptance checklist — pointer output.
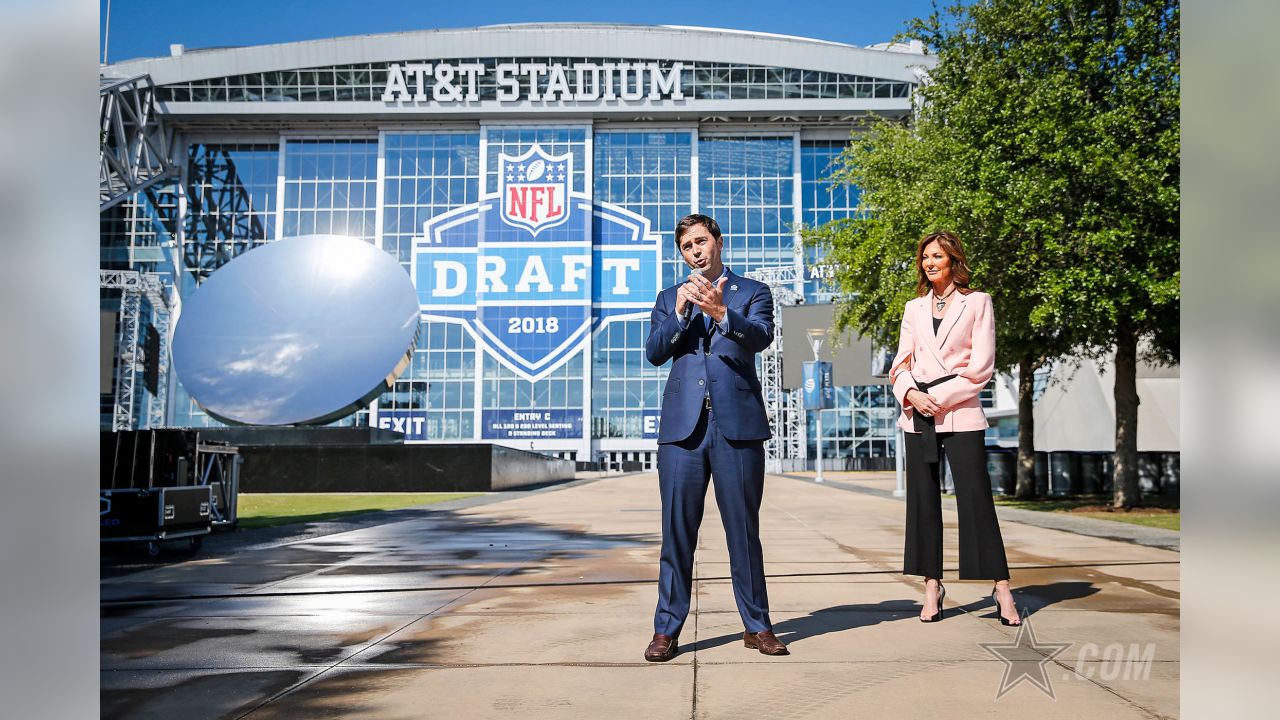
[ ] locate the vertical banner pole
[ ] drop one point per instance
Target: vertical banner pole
(818, 477)
(819, 394)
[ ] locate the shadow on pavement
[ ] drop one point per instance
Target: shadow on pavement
(1034, 598)
(827, 620)
(1031, 598)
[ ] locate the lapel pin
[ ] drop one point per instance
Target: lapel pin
(733, 288)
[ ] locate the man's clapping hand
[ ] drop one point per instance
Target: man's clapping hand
(705, 294)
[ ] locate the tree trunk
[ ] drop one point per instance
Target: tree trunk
(1125, 481)
(1026, 487)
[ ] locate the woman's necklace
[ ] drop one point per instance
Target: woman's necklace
(942, 301)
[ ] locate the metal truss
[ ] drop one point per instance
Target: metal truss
(786, 449)
(781, 279)
(228, 222)
(133, 287)
(134, 143)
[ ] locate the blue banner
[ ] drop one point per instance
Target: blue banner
(819, 391)
(531, 424)
(531, 267)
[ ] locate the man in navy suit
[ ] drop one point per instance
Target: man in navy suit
(713, 426)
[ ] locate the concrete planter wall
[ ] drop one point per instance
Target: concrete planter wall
(395, 468)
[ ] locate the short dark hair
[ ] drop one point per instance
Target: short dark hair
(689, 221)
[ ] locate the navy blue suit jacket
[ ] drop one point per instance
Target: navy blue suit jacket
(709, 362)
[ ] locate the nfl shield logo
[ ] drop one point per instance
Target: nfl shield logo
(535, 189)
(531, 301)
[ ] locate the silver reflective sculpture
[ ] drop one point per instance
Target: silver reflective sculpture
(300, 331)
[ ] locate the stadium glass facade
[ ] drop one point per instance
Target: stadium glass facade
(259, 165)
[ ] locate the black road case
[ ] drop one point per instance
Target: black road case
(155, 514)
(161, 485)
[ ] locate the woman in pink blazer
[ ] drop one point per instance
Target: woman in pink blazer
(946, 356)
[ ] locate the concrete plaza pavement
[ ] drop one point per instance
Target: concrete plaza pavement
(540, 606)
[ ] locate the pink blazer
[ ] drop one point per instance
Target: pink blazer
(965, 346)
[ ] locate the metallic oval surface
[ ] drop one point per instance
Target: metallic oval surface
(299, 331)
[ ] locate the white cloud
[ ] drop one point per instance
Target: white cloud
(277, 359)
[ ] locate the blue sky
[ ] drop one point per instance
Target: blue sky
(145, 28)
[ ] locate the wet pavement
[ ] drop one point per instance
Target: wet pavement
(539, 605)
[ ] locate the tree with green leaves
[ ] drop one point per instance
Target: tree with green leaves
(1047, 137)
(913, 180)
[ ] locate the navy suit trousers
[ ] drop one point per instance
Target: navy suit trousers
(737, 469)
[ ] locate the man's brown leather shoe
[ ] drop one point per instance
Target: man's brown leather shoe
(766, 642)
(661, 649)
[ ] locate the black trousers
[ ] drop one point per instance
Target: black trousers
(981, 547)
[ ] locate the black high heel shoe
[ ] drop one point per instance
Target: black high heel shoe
(942, 593)
(1003, 620)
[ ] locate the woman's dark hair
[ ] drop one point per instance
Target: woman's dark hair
(689, 221)
(950, 244)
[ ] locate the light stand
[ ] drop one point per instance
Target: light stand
(816, 336)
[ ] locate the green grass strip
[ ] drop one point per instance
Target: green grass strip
(1085, 507)
(1167, 521)
(258, 510)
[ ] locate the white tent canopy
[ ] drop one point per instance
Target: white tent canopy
(1077, 411)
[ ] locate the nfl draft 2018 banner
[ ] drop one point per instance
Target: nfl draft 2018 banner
(530, 271)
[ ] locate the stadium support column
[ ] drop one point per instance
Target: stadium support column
(133, 140)
(160, 400)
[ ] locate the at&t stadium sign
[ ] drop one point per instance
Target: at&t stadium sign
(534, 81)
